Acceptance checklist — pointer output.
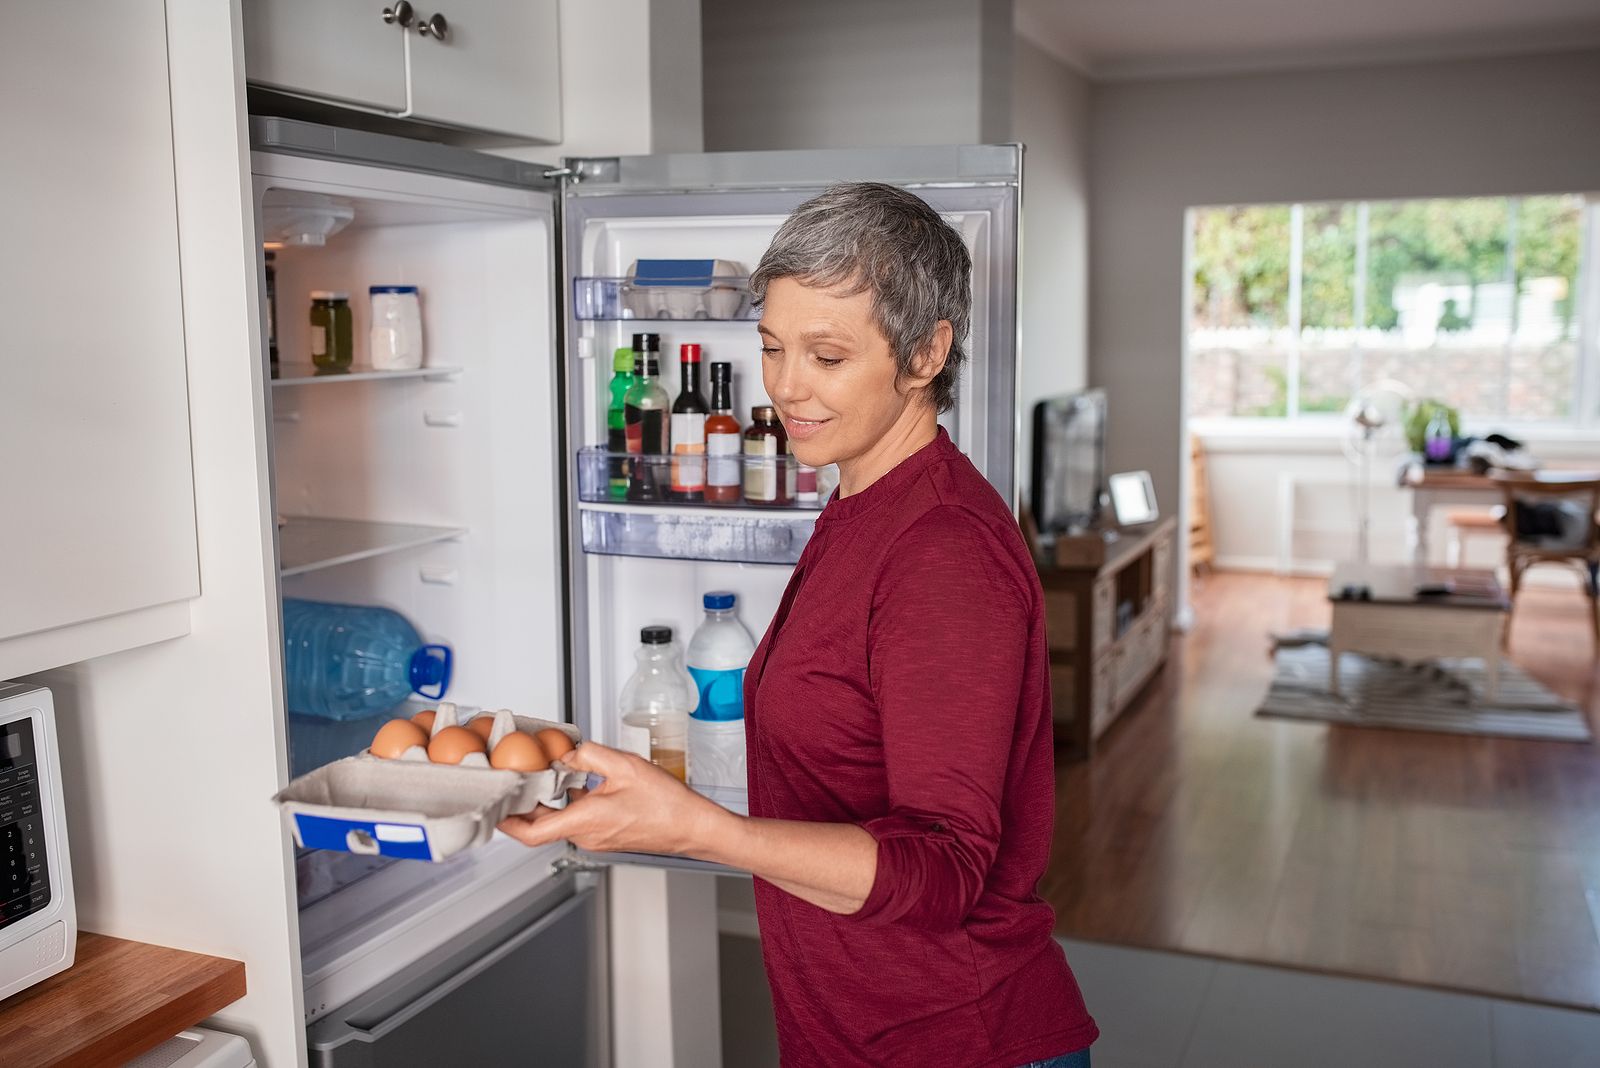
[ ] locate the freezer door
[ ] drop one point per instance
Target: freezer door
(527, 988)
(977, 187)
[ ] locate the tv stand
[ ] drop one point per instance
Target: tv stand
(1107, 603)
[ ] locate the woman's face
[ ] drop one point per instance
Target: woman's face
(830, 371)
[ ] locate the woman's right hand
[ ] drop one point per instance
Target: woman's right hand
(636, 808)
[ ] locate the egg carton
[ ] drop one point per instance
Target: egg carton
(414, 809)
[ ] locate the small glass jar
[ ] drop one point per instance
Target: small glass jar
(332, 334)
(395, 340)
(765, 461)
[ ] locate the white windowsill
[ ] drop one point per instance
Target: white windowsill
(1322, 435)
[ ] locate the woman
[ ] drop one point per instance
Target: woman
(898, 708)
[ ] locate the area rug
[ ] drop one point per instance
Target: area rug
(1444, 695)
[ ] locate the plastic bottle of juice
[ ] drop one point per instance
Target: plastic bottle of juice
(656, 701)
(719, 653)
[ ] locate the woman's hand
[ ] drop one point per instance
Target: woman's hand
(637, 809)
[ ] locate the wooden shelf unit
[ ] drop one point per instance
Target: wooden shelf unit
(1107, 613)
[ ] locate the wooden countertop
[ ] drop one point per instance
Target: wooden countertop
(118, 1000)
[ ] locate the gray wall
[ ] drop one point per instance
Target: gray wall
(848, 73)
(1496, 126)
(1050, 104)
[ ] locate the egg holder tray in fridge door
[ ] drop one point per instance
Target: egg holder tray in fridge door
(411, 808)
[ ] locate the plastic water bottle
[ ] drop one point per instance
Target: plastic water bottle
(349, 661)
(719, 653)
(655, 703)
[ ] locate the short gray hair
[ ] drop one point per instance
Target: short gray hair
(881, 238)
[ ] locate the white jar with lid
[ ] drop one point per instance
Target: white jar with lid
(395, 340)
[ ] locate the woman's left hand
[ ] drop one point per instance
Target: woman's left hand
(638, 808)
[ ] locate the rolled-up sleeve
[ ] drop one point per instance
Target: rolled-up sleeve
(947, 645)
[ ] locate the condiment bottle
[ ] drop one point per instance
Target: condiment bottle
(689, 413)
(332, 335)
(617, 424)
(645, 411)
(723, 440)
(765, 462)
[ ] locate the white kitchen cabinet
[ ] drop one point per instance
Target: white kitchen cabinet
(489, 69)
(341, 50)
(98, 549)
(497, 68)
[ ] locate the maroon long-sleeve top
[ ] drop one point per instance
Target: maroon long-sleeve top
(903, 686)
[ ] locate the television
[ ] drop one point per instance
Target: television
(1069, 462)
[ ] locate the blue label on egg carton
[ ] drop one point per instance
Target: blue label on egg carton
(403, 841)
(674, 272)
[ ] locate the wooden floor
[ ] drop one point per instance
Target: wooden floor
(1465, 863)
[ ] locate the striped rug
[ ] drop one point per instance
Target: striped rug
(1445, 695)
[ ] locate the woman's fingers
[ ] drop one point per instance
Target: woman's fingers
(599, 759)
(541, 826)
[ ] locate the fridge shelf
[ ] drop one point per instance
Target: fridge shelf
(675, 532)
(764, 484)
(725, 299)
(306, 374)
(308, 543)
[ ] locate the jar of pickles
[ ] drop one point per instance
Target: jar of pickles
(332, 333)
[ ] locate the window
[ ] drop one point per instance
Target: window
(1476, 302)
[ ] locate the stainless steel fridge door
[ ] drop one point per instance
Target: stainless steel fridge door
(527, 988)
(980, 184)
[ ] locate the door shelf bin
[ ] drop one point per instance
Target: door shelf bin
(696, 534)
(726, 299)
(649, 480)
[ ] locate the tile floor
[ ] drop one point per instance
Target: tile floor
(1171, 1010)
(1167, 1010)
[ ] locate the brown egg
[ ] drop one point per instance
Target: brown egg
(425, 719)
(555, 741)
(452, 744)
(481, 726)
(519, 752)
(395, 737)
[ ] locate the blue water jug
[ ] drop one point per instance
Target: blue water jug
(347, 661)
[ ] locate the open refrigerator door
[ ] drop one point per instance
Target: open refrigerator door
(664, 245)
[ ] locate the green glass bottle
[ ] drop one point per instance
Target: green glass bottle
(617, 424)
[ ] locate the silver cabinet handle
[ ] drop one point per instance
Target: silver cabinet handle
(401, 13)
(434, 26)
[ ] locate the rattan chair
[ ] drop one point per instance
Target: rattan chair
(1526, 491)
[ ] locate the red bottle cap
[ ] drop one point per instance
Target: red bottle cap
(689, 353)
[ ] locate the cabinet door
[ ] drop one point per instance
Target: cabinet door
(94, 436)
(497, 69)
(336, 49)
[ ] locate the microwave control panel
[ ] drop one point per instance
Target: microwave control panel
(24, 871)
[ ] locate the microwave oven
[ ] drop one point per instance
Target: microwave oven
(38, 919)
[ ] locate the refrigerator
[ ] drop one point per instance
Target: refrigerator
(457, 495)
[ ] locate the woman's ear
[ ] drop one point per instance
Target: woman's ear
(930, 359)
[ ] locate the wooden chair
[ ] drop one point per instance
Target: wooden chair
(1524, 492)
(1467, 523)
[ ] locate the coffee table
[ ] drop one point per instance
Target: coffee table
(1383, 611)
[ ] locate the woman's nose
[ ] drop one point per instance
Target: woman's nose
(786, 380)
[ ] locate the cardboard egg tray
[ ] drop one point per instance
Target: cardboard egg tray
(412, 808)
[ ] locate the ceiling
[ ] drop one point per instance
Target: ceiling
(1128, 39)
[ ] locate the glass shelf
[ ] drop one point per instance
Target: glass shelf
(306, 374)
(725, 299)
(306, 543)
(764, 484)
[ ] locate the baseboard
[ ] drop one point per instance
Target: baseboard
(1539, 577)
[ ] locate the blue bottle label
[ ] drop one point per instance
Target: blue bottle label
(721, 693)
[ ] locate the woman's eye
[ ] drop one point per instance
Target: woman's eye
(829, 361)
(770, 350)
